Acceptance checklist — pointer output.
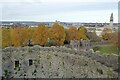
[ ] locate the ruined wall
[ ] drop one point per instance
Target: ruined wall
(107, 60)
(51, 62)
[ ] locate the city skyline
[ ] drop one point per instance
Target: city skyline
(64, 11)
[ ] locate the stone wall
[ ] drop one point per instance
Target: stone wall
(107, 60)
(52, 62)
(84, 44)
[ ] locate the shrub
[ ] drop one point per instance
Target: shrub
(95, 48)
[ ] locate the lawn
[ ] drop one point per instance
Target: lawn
(106, 49)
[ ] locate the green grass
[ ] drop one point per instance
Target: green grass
(107, 49)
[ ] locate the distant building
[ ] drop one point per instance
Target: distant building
(99, 29)
(57, 22)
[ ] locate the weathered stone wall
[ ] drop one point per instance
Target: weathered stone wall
(85, 44)
(52, 62)
(108, 60)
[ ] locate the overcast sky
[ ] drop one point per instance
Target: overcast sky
(62, 10)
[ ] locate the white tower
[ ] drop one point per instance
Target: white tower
(111, 20)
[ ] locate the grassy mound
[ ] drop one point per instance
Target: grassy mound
(106, 49)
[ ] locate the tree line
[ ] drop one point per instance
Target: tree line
(20, 36)
(56, 35)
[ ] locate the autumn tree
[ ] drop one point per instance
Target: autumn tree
(5, 37)
(106, 34)
(57, 34)
(72, 34)
(115, 38)
(31, 31)
(92, 36)
(40, 35)
(82, 33)
(12, 36)
(20, 36)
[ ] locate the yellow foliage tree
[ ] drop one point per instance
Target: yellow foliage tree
(5, 37)
(82, 33)
(72, 34)
(106, 33)
(20, 36)
(40, 35)
(57, 34)
(11, 36)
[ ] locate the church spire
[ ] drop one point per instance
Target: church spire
(111, 20)
(111, 17)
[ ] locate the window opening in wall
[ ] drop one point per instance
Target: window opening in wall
(16, 64)
(30, 62)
